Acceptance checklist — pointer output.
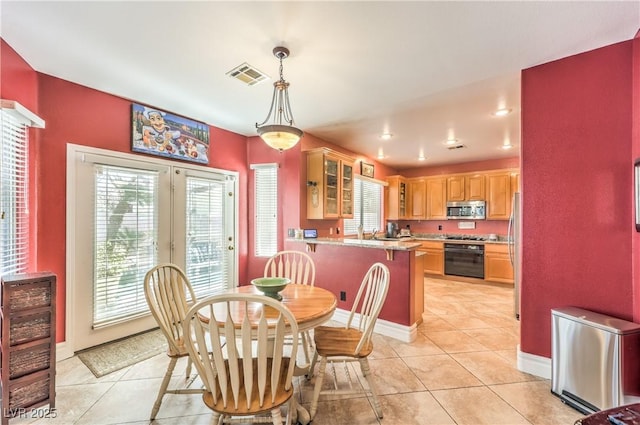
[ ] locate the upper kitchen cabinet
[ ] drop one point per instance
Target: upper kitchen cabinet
(329, 185)
(436, 204)
(466, 187)
(396, 198)
(499, 194)
(417, 199)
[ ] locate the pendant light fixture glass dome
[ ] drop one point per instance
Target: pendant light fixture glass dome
(281, 134)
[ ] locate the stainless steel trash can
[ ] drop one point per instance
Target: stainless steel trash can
(595, 359)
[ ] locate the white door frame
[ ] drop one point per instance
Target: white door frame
(66, 349)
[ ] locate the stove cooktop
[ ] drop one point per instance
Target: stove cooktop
(465, 238)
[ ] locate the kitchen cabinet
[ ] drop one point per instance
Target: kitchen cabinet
(396, 198)
(329, 185)
(436, 198)
(497, 265)
(465, 187)
(417, 199)
(433, 258)
(499, 195)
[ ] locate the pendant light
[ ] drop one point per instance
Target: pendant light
(281, 134)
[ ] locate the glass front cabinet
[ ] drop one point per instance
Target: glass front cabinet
(329, 184)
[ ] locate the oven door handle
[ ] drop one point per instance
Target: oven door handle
(464, 251)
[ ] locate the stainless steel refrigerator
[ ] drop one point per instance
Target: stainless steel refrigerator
(515, 250)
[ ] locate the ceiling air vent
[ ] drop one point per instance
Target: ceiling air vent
(247, 74)
(454, 147)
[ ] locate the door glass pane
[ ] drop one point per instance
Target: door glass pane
(205, 235)
(331, 176)
(126, 231)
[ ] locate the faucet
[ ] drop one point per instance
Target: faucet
(373, 233)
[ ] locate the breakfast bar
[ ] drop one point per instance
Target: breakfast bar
(342, 263)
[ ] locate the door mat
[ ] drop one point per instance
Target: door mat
(116, 355)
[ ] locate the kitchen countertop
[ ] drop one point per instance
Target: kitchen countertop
(399, 245)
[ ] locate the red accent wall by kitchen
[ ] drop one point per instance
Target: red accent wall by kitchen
(635, 108)
(80, 115)
(576, 181)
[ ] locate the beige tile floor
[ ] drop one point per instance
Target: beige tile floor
(460, 370)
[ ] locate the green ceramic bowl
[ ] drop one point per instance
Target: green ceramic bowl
(270, 286)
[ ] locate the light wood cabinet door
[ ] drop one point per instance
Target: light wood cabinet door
(346, 189)
(497, 265)
(396, 198)
(417, 197)
(436, 204)
(499, 196)
(433, 260)
(456, 188)
(474, 187)
(329, 185)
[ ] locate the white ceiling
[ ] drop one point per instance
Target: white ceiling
(423, 71)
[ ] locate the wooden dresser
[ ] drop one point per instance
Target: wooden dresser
(28, 343)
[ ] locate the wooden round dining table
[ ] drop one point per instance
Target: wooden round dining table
(310, 305)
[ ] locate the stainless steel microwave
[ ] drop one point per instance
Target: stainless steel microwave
(467, 210)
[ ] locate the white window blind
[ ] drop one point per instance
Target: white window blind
(367, 207)
(205, 236)
(14, 195)
(126, 231)
(266, 209)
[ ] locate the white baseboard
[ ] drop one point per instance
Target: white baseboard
(533, 364)
(63, 351)
(383, 327)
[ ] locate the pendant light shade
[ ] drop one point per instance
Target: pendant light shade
(281, 134)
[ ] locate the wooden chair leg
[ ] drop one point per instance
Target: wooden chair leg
(312, 366)
(318, 387)
(163, 387)
(189, 364)
(366, 372)
(276, 416)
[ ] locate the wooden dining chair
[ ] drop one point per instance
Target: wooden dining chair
(251, 375)
(169, 296)
(300, 268)
(353, 342)
(295, 265)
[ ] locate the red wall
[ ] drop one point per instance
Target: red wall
(635, 108)
(80, 115)
(576, 184)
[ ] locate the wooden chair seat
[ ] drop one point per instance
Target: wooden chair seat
(282, 395)
(340, 342)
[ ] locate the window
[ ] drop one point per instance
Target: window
(126, 234)
(266, 209)
(14, 186)
(367, 206)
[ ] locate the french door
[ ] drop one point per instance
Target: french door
(125, 215)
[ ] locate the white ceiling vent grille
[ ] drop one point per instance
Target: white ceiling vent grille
(247, 74)
(454, 147)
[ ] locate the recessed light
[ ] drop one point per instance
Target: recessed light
(451, 141)
(421, 158)
(386, 136)
(502, 112)
(507, 146)
(380, 154)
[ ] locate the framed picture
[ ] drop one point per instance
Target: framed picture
(366, 169)
(161, 133)
(636, 171)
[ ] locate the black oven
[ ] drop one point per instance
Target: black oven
(464, 260)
